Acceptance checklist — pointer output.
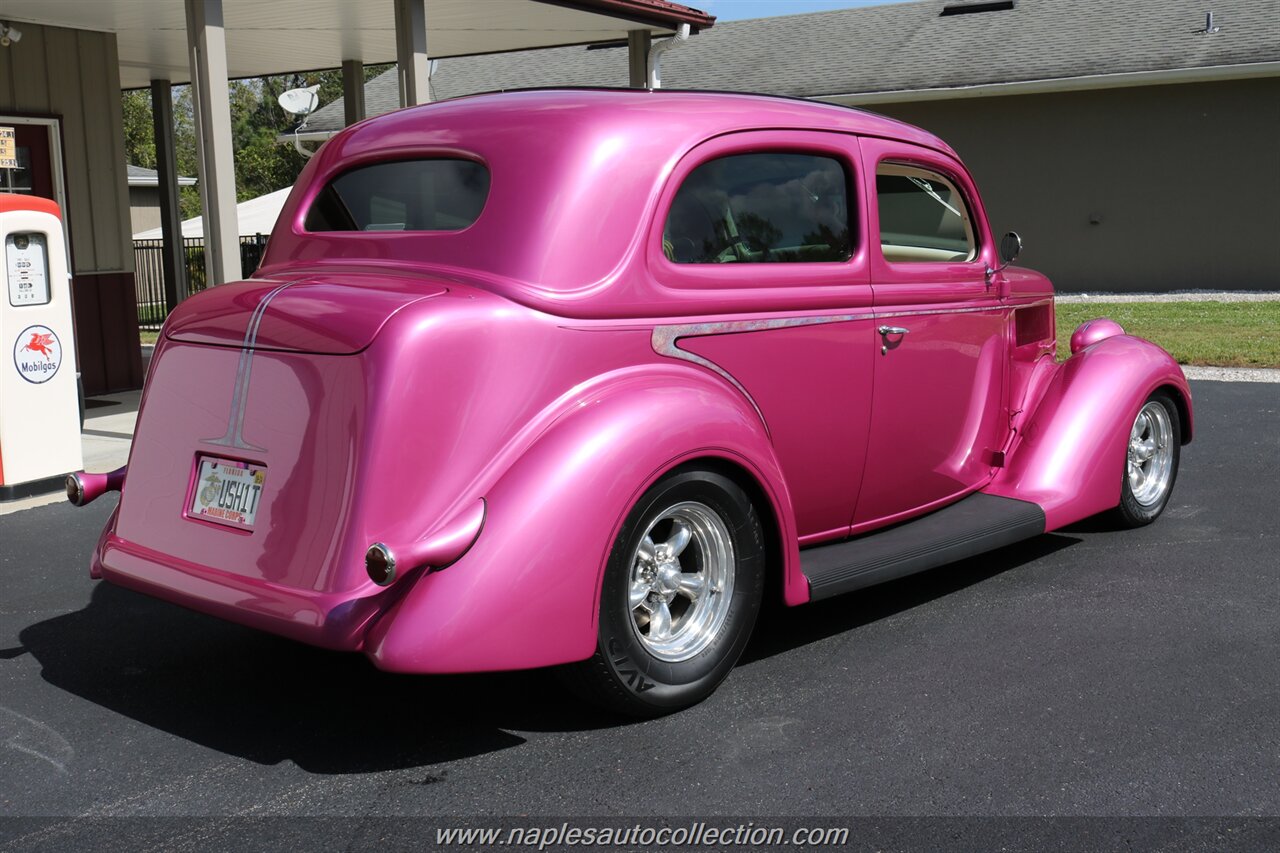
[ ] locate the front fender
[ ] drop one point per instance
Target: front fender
(1070, 452)
(527, 592)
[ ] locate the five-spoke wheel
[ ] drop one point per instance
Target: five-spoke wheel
(681, 585)
(1150, 465)
(680, 596)
(1151, 461)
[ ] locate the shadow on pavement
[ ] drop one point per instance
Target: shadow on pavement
(782, 629)
(266, 699)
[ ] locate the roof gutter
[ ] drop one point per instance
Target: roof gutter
(1061, 84)
(659, 14)
(307, 136)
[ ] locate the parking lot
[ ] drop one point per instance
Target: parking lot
(1087, 672)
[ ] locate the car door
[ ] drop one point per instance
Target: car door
(761, 241)
(938, 409)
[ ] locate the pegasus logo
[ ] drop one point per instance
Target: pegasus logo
(37, 354)
(40, 343)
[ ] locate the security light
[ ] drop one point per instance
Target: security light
(9, 34)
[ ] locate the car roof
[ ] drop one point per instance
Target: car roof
(704, 112)
(575, 176)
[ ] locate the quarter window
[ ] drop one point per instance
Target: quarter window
(761, 208)
(405, 195)
(923, 216)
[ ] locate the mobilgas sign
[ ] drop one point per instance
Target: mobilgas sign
(37, 354)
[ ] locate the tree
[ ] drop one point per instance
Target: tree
(139, 139)
(262, 164)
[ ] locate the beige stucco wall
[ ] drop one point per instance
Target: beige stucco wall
(144, 208)
(74, 75)
(1184, 178)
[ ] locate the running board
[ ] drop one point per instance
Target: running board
(971, 526)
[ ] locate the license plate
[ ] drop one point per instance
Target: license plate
(228, 492)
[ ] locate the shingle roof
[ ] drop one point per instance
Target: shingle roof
(140, 177)
(888, 48)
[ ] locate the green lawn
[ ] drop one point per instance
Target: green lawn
(1222, 334)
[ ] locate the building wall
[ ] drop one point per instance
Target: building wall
(74, 75)
(144, 209)
(1184, 181)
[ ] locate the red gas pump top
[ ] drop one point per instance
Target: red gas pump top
(16, 201)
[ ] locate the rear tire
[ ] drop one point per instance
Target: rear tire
(1152, 455)
(682, 589)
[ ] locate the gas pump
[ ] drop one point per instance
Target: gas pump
(39, 404)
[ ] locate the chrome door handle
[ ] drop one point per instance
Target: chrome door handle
(893, 330)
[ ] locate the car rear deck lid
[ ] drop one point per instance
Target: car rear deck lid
(331, 315)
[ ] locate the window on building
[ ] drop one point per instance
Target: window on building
(18, 180)
(923, 216)
(407, 195)
(777, 207)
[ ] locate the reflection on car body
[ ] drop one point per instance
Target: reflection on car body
(579, 378)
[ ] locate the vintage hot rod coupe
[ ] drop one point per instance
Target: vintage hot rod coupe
(580, 377)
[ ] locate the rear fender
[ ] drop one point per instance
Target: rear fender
(1069, 455)
(527, 592)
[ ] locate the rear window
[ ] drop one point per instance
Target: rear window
(406, 195)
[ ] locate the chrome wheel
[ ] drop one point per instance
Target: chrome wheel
(1150, 456)
(681, 581)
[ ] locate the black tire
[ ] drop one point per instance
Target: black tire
(624, 675)
(1133, 512)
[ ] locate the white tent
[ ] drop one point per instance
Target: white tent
(256, 216)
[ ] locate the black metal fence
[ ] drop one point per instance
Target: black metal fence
(148, 266)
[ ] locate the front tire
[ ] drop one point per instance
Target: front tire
(1151, 462)
(682, 589)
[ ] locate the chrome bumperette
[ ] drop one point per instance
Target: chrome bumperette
(380, 564)
(75, 490)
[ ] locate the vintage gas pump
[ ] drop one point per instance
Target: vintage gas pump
(39, 403)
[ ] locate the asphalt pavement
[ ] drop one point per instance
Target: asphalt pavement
(1089, 672)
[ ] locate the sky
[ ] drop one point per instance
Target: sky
(733, 10)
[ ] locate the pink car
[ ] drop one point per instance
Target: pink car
(580, 378)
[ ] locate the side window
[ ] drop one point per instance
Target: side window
(777, 207)
(923, 216)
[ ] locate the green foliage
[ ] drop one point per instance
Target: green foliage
(1223, 334)
(263, 165)
(139, 141)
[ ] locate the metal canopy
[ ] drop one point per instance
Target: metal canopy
(283, 36)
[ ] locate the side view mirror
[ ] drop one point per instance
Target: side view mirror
(1010, 248)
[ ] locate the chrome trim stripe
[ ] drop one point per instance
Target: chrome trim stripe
(926, 312)
(666, 338)
(672, 332)
(234, 436)
(664, 343)
(722, 327)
